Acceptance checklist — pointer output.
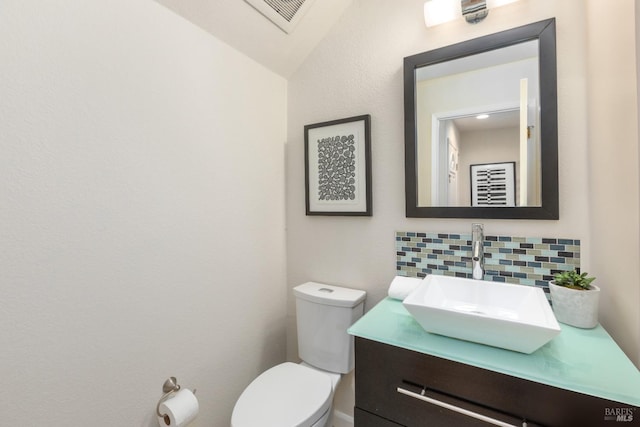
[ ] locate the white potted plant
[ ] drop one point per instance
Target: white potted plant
(575, 299)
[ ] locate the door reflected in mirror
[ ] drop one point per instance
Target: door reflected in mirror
(481, 127)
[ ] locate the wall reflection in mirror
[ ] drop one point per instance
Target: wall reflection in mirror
(481, 127)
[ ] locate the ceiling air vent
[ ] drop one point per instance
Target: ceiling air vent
(284, 13)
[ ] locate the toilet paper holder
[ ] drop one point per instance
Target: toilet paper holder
(169, 387)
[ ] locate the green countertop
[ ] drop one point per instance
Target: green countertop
(583, 360)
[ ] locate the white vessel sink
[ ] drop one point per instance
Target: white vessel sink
(513, 317)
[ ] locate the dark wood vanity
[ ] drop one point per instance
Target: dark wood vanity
(397, 386)
(390, 382)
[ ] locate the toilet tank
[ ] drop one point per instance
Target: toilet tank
(324, 313)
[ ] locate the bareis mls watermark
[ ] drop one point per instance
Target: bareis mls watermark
(619, 414)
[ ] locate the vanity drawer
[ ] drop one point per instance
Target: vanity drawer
(400, 385)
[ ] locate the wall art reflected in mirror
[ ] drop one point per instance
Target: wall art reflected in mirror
(490, 100)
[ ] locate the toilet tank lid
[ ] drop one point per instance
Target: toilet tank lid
(329, 295)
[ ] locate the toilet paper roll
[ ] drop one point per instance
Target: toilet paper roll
(402, 286)
(179, 410)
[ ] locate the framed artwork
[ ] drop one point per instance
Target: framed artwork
(493, 184)
(338, 167)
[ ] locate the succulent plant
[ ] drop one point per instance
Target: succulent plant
(573, 280)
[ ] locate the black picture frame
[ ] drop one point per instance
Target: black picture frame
(506, 194)
(338, 167)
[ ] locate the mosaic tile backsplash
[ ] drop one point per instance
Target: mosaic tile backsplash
(522, 260)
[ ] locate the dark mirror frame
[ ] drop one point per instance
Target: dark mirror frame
(545, 33)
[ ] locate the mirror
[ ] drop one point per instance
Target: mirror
(481, 137)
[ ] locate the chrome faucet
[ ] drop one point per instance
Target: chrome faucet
(477, 248)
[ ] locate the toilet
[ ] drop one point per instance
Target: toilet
(301, 395)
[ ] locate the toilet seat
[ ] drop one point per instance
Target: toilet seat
(287, 395)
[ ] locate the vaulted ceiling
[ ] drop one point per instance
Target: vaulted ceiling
(241, 26)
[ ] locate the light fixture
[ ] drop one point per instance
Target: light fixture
(474, 11)
(482, 116)
(440, 11)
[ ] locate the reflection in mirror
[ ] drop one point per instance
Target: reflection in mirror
(468, 112)
(481, 127)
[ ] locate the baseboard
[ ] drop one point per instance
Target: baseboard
(340, 419)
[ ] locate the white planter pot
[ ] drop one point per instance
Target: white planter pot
(574, 307)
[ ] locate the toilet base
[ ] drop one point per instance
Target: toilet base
(325, 420)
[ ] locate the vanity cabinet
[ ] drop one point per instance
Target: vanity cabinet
(398, 387)
(405, 376)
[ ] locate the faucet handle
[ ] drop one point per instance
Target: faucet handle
(477, 232)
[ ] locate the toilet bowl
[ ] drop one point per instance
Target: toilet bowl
(288, 394)
(301, 395)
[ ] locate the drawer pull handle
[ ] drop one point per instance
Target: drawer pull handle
(456, 408)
